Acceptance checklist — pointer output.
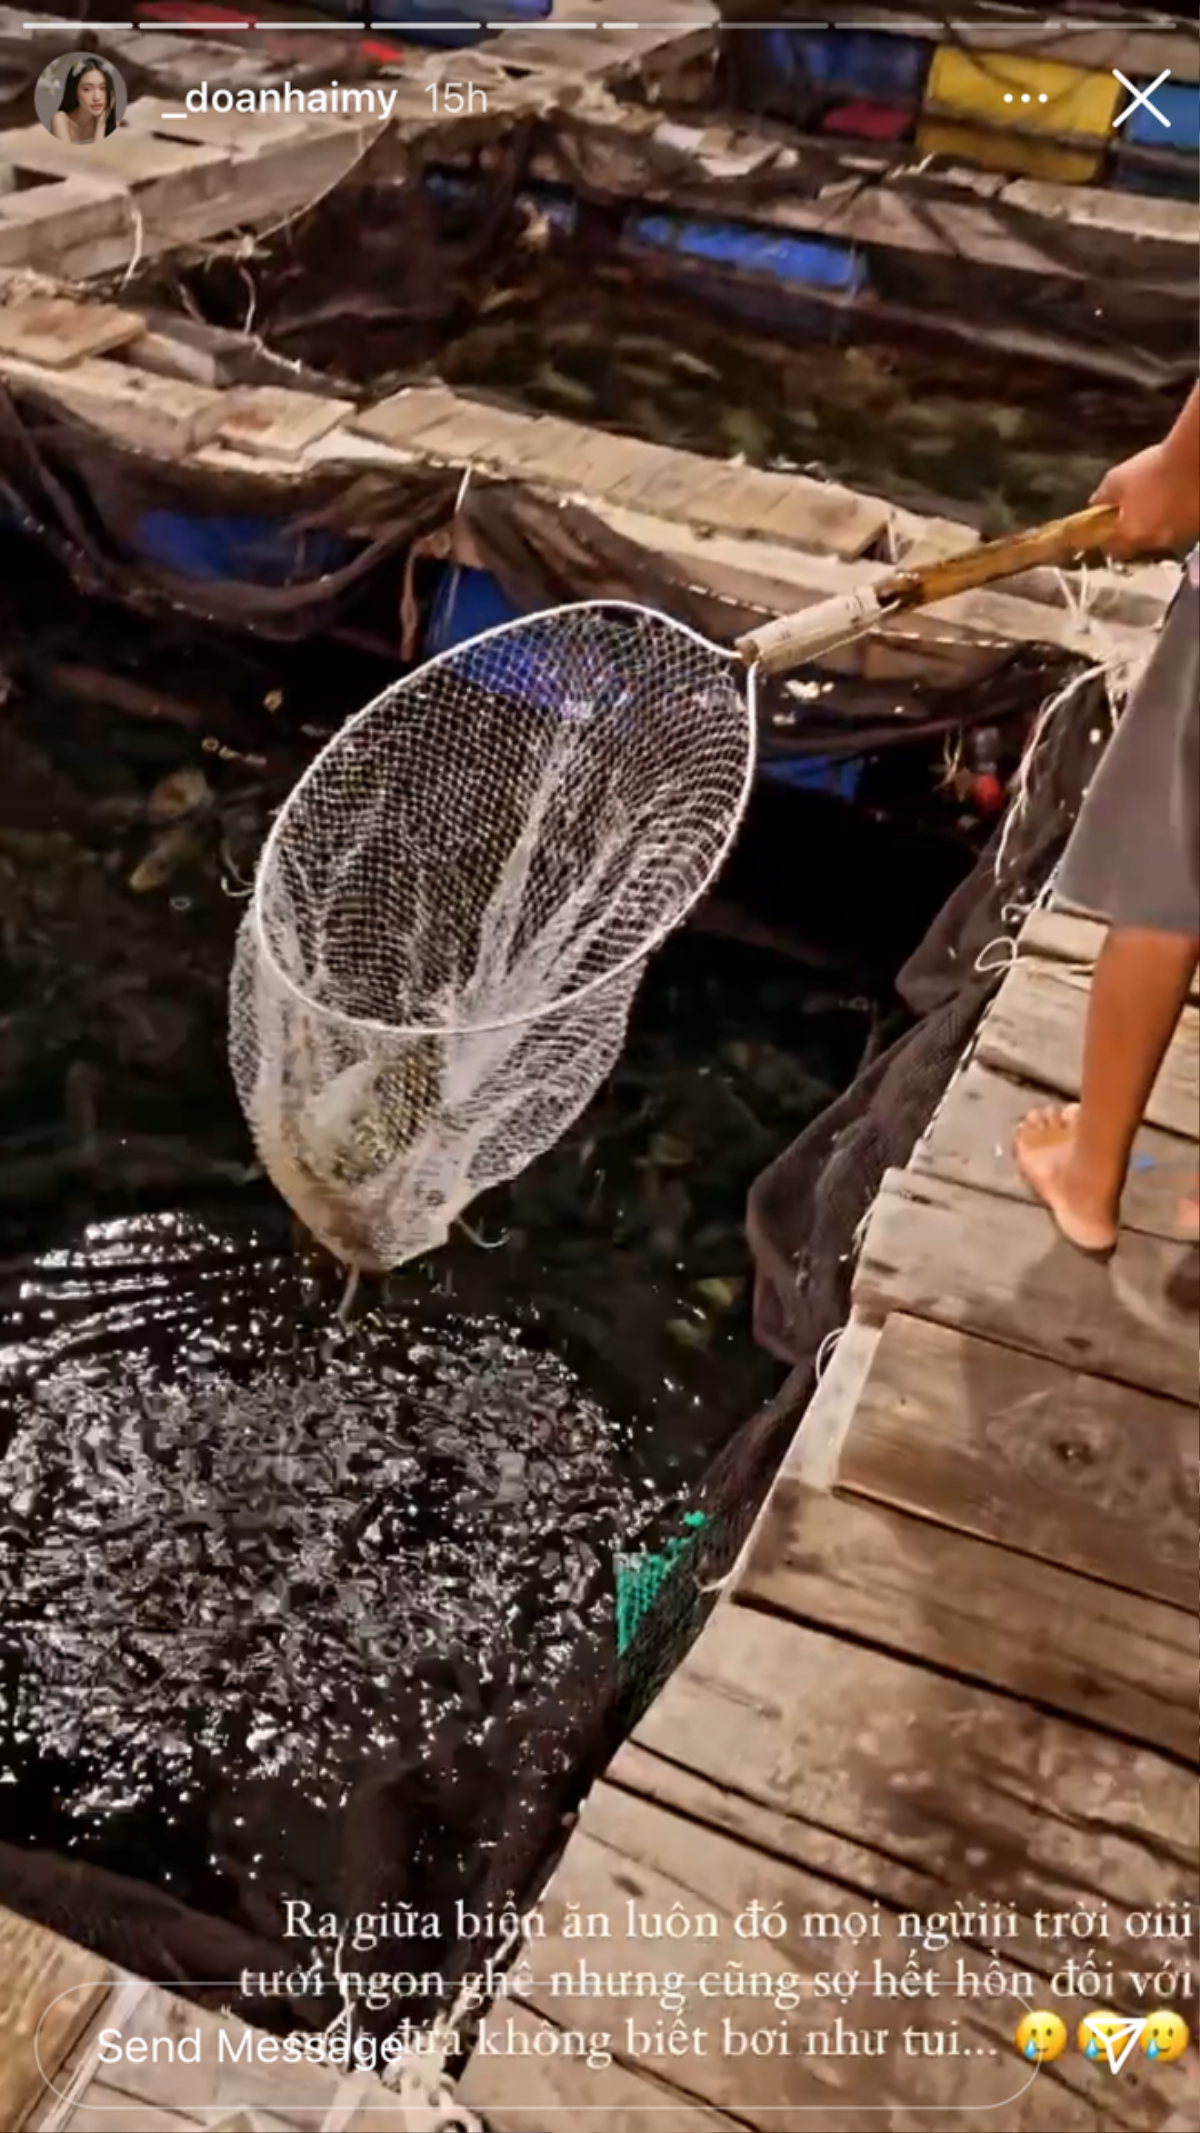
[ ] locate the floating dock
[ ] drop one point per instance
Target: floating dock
(901, 233)
(748, 544)
(955, 1672)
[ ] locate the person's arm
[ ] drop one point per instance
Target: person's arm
(1158, 491)
(60, 127)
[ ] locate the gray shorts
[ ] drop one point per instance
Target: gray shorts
(1134, 855)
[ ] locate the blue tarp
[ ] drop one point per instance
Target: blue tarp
(248, 551)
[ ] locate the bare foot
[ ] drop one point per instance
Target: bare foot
(1044, 1148)
(1189, 1215)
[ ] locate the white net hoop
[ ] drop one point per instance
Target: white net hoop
(456, 902)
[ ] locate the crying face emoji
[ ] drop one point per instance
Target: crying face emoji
(1041, 2036)
(1165, 2036)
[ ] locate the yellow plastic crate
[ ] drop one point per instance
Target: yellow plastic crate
(1064, 104)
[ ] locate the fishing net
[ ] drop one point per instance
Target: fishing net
(454, 907)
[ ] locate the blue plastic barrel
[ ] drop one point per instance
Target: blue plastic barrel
(458, 188)
(789, 262)
(864, 64)
(466, 602)
(1179, 103)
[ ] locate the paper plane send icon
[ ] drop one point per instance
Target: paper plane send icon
(1111, 2036)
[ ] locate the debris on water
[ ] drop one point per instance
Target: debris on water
(689, 1332)
(181, 792)
(178, 848)
(722, 1291)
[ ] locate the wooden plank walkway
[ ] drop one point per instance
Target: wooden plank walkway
(954, 1680)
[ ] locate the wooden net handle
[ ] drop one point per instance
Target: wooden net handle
(1057, 542)
(788, 642)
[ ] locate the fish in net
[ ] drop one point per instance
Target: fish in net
(455, 905)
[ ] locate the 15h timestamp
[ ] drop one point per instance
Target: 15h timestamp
(453, 97)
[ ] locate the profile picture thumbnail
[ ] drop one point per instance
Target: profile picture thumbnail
(80, 99)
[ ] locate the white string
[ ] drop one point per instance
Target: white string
(825, 1353)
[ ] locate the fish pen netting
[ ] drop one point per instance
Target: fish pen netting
(455, 906)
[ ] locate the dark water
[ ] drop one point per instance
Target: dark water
(232, 1544)
(930, 427)
(252, 1570)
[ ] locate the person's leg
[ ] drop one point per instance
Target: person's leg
(1133, 858)
(1075, 1156)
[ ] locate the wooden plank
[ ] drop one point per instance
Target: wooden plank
(224, 129)
(270, 421)
(823, 516)
(164, 416)
(999, 1268)
(406, 415)
(1071, 1469)
(969, 1141)
(934, 1771)
(523, 2094)
(1056, 935)
(37, 226)
(849, 1860)
(668, 483)
(55, 331)
(629, 1860)
(172, 358)
(594, 463)
(49, 1992)
(979, 1611)
(129, 161)
(816, 1449)
(1033, 1030)
(844, 1857)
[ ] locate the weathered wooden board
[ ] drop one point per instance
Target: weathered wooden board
(816, 1449)
(163, 416)
(523, 2094)
(979, 1611)
(49, 1992)
(862, 1869)
(969, 1141)
(630, 1861)
(130, 160)
(1097, 1477)
(1033, 1030)
(408, 414)
(54, 331)
(278, 424)
(935, 1771)
(999, 1268)
(1054, 934)
(36, 227)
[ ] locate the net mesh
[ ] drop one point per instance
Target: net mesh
(455, 905)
